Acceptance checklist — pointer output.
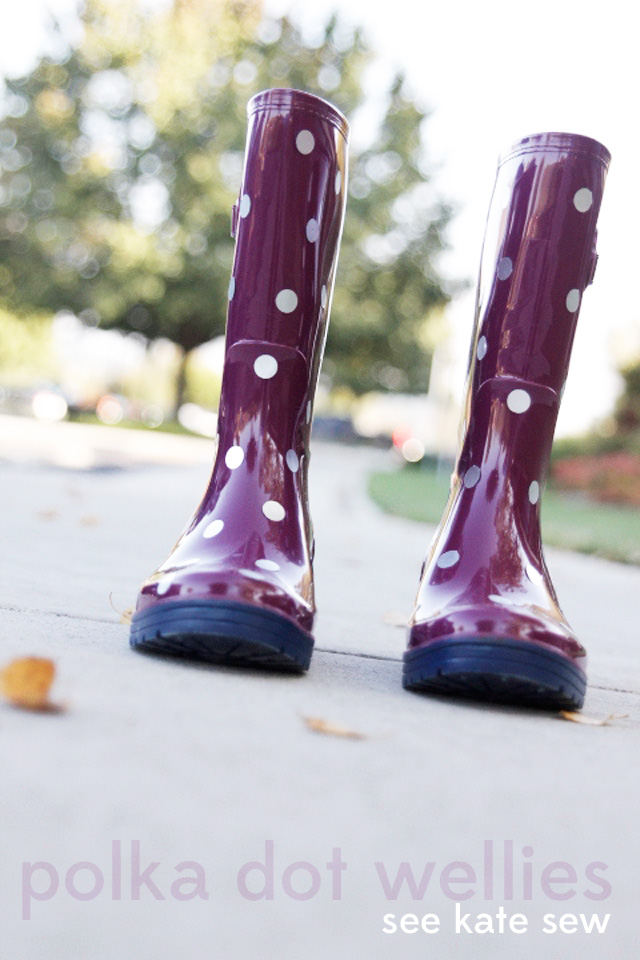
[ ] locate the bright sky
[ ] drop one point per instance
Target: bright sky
(493, 71)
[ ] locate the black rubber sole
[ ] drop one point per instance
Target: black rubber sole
(500, 671)
(221, 632)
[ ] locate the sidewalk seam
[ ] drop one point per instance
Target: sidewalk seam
(333, 652)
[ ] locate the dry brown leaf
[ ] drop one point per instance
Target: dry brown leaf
(26, 682)
(581, 718)
(125, 615)
(395, 619)
(318, 725)
(89, 520)
(590, 721)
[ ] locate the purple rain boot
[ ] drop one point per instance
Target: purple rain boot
(487, 622)
(238, 587)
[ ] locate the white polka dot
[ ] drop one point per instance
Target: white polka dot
(573, 300)
(163, 587)
(305, 141)
(323, 298)
(267, 565)
(312, 230)
(273, 510)
(338, 183)
(534, 491)
(232, 287)
(518, 401)
(292, 461)
(472, 476)
(483, 346)
(448, 559)
(234, 457)
(265, 366)
(287, 301)
(245, 205)
(583, 199)
(505, 268)
(214, 528)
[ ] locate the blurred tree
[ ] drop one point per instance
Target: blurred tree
(388, 280)
(121, 161)
(25, 350)
(627, 413)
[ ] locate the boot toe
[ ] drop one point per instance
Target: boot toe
(222, 632)
(496, 669)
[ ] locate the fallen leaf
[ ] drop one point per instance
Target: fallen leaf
(125, 615)
(331, 730)
(590, 721)
(581, 718)
(395, 619)
(89, 520)
(48, 514)
(26, 682)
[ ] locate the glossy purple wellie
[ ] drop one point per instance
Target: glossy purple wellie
(238, 585)
(487, 623)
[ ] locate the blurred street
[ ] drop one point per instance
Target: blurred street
(219, 766)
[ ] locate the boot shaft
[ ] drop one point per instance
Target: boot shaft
(288, 222)
(538, 258)
(539, 255)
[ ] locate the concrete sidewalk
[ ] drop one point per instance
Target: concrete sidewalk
(202, 770)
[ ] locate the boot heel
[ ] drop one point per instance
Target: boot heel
(499, 671)
(223, 633)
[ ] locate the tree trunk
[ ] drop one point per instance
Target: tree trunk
(181, 383)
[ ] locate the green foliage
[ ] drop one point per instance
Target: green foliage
(627, 415)
(25, 349)
(151, 108)
(590, 445)
(388, 283)
(412, 492)
(203, 386)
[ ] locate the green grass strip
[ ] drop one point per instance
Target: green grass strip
(570, 521)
